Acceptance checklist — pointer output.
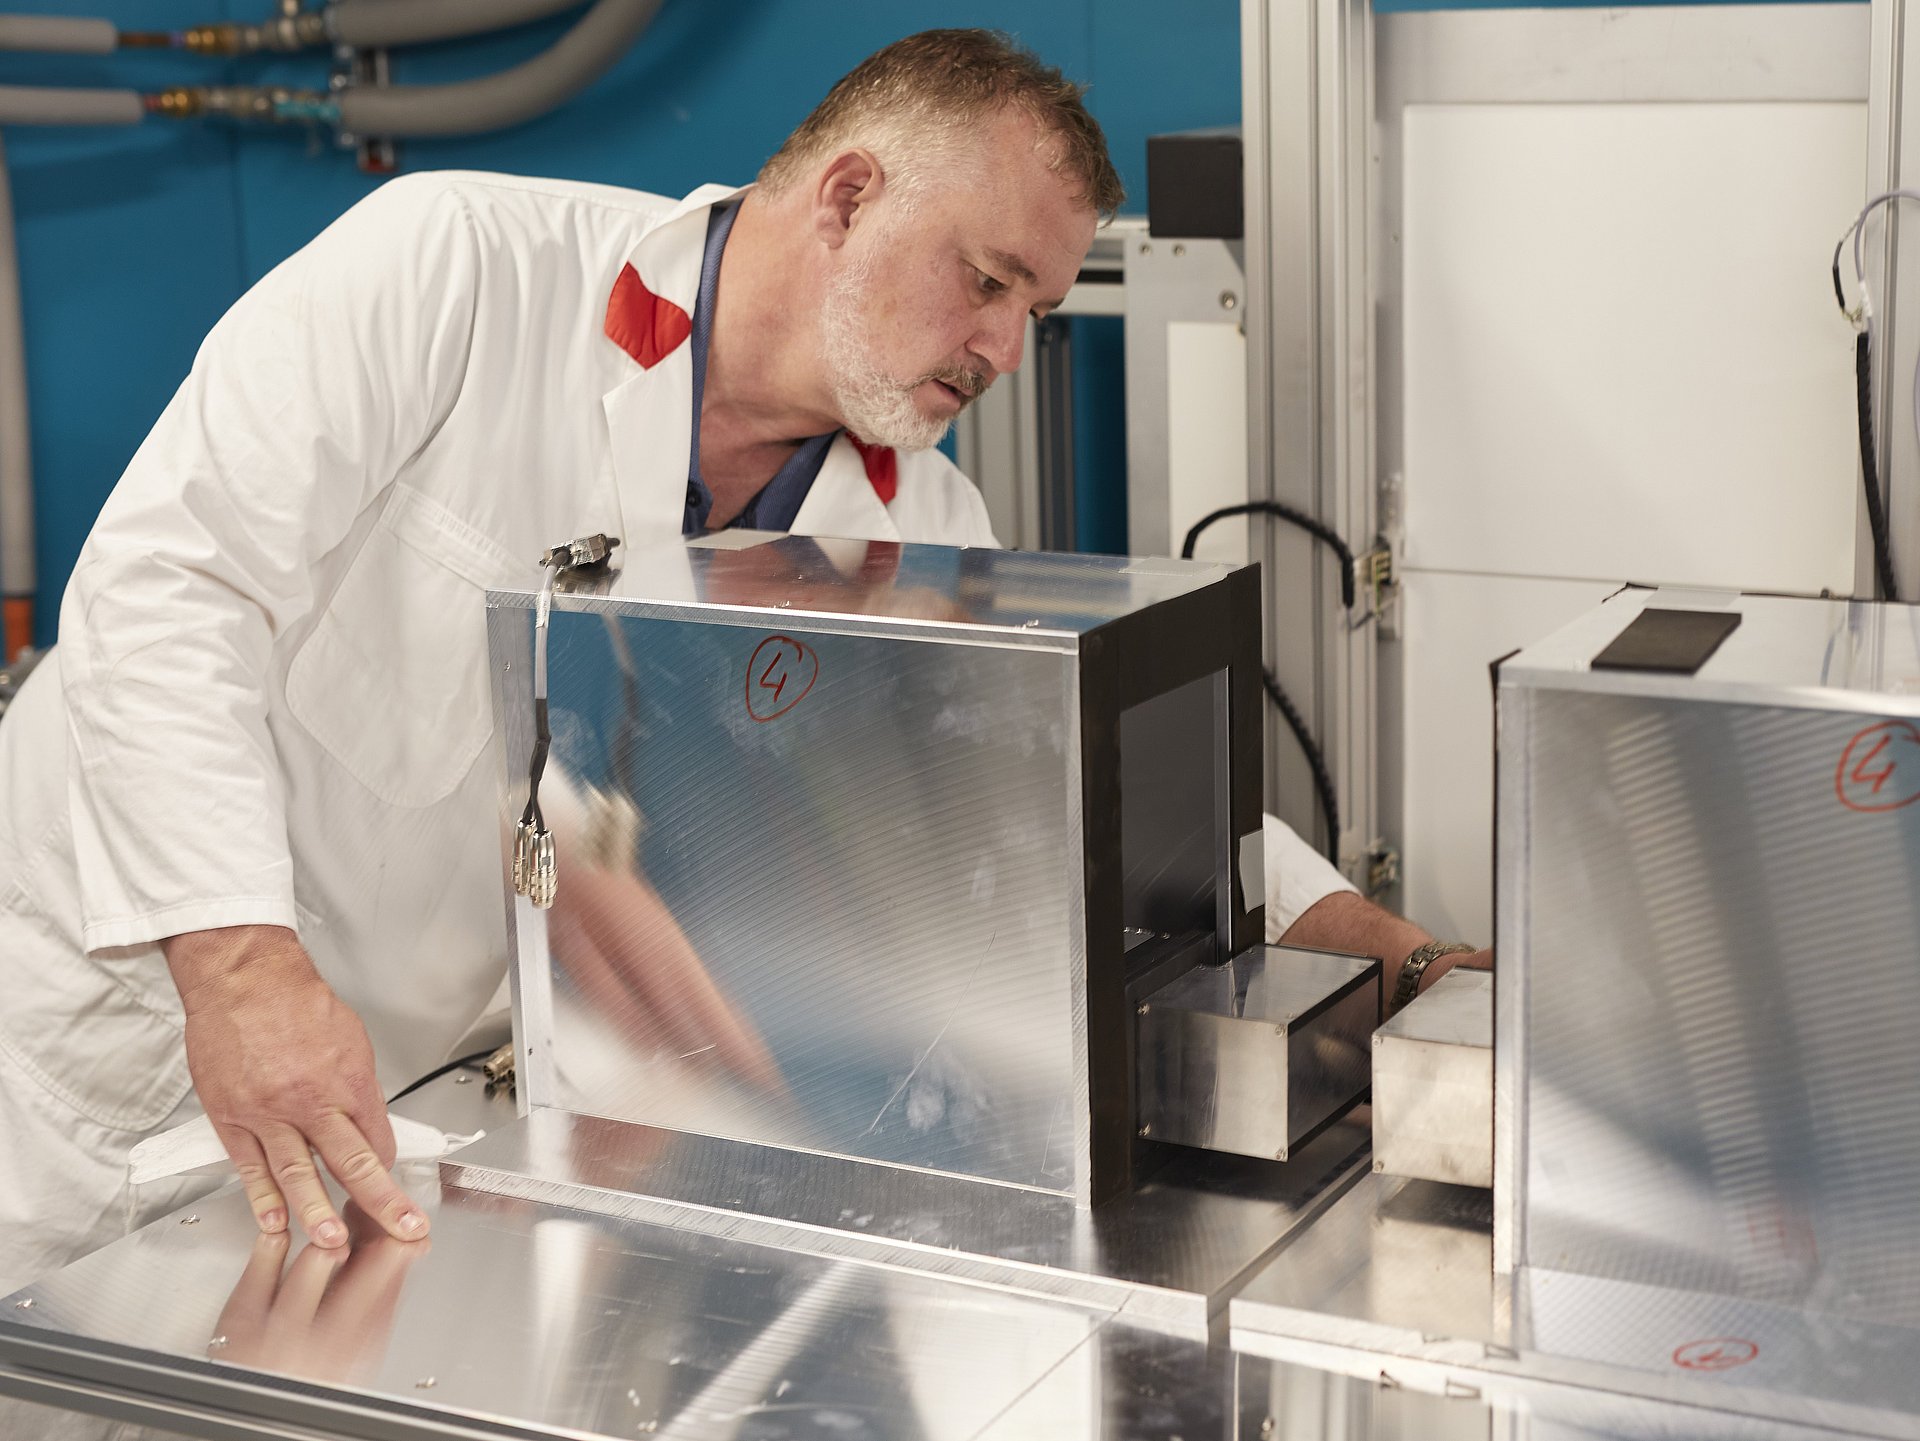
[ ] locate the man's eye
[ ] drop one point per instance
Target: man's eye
(988, 283)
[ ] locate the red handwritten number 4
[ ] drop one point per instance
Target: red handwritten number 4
(1880, 768)
(780, 672)
(1722, 1353)
(776, 662)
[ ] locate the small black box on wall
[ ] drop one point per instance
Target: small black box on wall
(1194, 184)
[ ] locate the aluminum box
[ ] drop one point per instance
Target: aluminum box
(1709, 959)
(896, 808)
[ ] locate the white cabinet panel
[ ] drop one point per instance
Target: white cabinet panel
(1621, 352)
(1456, 626)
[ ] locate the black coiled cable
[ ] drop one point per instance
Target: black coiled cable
(1327, 536)
(1870, 463)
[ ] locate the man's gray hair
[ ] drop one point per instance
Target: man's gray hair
(918, 104)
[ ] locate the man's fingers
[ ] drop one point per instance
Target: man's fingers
(368, 1112)
(245, 1314)
(356, 1166)
(291, 1161)
(301, 1293)
(263, 1195)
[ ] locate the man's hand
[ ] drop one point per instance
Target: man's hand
(326, 1317)
(1350, 923)
(284, 1069)
(635, 966)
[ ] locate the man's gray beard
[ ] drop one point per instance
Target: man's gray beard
(873, 405)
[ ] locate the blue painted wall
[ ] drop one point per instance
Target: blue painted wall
(135, 240)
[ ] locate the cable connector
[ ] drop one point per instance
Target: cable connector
(536, 875)
(1376, 568)
(250, 104)
(589, 550)
(1383, 868)
(498, 1068)
(286, 35)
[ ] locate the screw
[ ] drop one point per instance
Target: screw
(1142, 1009)
(426, 1383)
(26, 1305)
(1147, 1130)
(463, 1079)
(189, 1220)
(1379, 1166)
(1266, 1427)
(1228, 300)
(216, 1343)
(1145, 249)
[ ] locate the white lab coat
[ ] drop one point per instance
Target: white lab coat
(270, 702)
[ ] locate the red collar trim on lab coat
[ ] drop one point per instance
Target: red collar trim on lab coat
(643, 324)
(883, 468)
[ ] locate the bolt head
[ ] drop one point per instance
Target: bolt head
(1228, 300)
(1179, 250)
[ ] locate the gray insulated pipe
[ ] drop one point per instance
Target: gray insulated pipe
(467, 107)
(387, 24)
(17, 579)
(43, 105)
(57, 34)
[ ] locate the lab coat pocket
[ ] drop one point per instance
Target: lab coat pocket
(81, 1026)
(393, 681)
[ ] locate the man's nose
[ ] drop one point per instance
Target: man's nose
(1002, 341)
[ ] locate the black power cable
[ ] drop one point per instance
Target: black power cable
(1863, 395)
(438, 1071)
(1870, 463)
(1316, 760)
(1316, 763)
(1318, 529)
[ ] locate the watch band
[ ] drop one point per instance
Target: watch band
(1415, 966)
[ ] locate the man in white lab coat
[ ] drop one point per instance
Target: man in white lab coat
(247, 843)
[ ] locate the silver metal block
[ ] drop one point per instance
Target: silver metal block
(1257, 1056)
(1433, 1084)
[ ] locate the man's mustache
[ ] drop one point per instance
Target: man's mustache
(970, 383)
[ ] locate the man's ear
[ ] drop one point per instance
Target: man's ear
(847, 185)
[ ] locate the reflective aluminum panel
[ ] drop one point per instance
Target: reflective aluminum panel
(1169, 1253)
(1709, 976)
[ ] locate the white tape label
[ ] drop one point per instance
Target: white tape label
(1253, 868)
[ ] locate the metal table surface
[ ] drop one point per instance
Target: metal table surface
(522, 1319)
(1394, 1282)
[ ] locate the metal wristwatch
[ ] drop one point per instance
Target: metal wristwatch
(1415, 966)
